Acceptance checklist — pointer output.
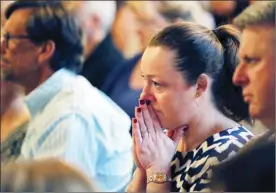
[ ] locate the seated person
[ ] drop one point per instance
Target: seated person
(69, 118)
(254, 166)
(124, 84)
(188, 90)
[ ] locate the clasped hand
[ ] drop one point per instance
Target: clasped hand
(153, 149)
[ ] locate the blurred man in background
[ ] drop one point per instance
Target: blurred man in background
(14, 114)
(124, 84)
(124, 30)
(101, 55)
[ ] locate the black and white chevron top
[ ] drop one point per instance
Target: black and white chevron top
(192, 171)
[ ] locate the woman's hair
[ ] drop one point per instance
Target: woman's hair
(213, 52)
(43, 176)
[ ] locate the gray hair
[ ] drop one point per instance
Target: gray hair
(191, 11)
(256, 14)
(105, 9)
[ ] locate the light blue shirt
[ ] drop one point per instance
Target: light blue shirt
(74, 121)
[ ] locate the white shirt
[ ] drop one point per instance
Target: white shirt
(74, 121)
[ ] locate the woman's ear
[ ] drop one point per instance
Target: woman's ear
(202, 84)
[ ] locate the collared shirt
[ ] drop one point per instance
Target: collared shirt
(72, 120)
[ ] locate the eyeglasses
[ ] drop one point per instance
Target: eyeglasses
(7, 36)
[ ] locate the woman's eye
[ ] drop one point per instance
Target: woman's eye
(156, 84)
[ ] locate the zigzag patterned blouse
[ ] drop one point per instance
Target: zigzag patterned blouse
(191, 172)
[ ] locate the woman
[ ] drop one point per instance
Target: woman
(46, 175)
(124, 84)
(188, 90)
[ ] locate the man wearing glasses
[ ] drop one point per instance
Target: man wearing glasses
(42, 50)
(14, 113)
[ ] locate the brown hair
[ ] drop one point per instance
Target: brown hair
(257, 14)
(48, 175)
(213, 52)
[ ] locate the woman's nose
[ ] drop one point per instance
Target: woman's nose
(147, 95)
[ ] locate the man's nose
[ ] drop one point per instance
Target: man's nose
(240, 76)
(2, 44)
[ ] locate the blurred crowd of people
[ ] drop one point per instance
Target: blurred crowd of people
(137, 96)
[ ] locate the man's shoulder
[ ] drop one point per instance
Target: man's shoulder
(81, 95)
(256, 164)
(82, 99)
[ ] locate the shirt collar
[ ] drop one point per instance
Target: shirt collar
(39, 97)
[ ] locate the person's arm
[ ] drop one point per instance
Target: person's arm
(138, 182)
(154, 149)
(76, 139)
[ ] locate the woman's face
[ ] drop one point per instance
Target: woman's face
(171, 96)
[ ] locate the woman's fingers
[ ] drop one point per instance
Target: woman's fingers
(133, 139)
(155, 120)
(134, 144)
(147, 117)
(140, 120)
(137, 133)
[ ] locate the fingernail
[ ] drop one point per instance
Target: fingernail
(134, 120)
(139, 110)
(148, 102)
(142, 102)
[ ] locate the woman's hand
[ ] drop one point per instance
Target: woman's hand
(136, 160)
(153, 148)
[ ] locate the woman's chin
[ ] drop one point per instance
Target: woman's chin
(167, 126)
(171, 127)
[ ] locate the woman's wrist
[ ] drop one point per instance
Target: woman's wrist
(156, 169)
(158, 179)
(140, 173)
(138, 182)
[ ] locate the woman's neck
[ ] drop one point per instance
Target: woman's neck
(203, 127)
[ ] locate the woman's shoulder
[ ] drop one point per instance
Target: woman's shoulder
(225, 144)
(233, 135)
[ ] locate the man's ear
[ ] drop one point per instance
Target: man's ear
(202, 84)
(46, 51)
